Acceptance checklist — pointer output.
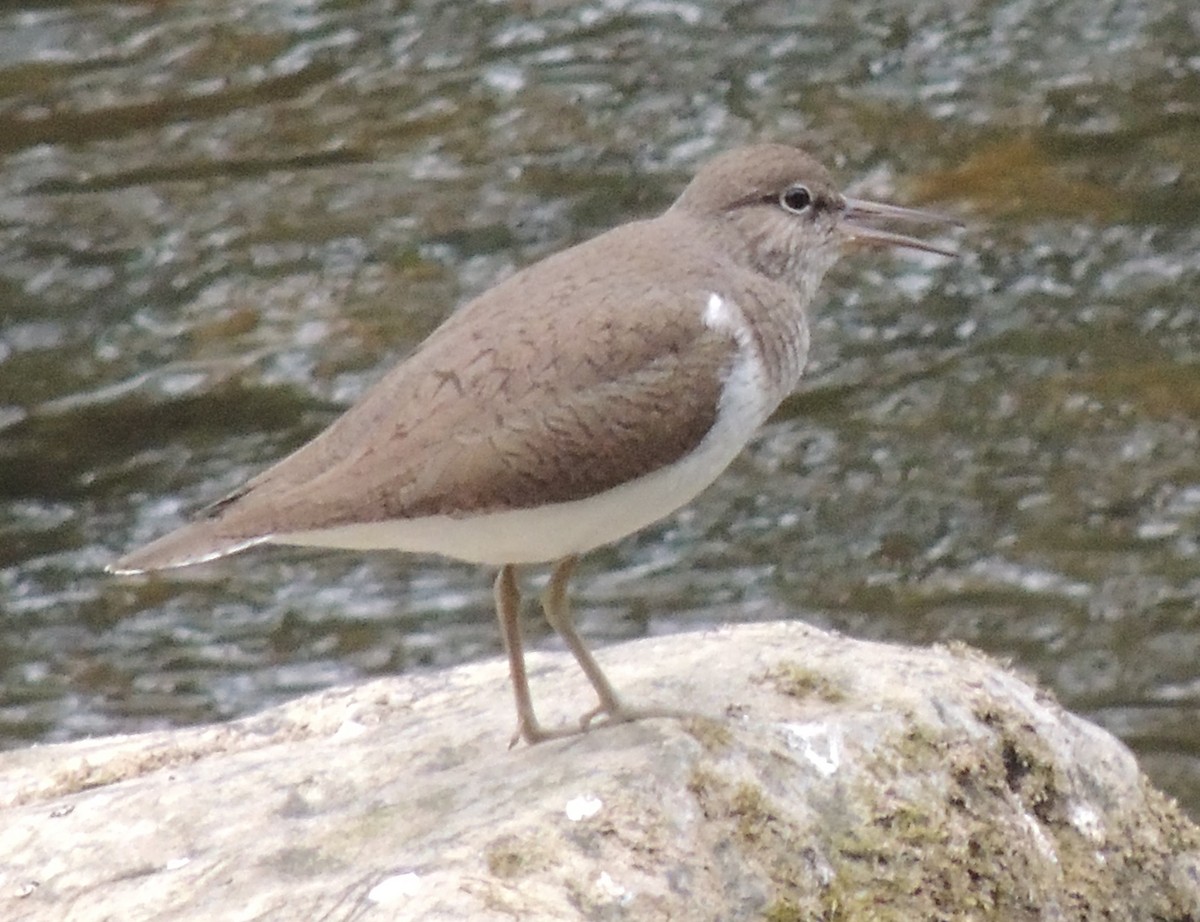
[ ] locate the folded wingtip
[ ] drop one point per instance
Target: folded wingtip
(183, 547)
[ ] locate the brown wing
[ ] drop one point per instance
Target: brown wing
(541, 449)
(558, 383)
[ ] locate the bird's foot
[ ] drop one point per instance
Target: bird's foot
(533, 732)
(618, 713)
(615, 712)
(600, 716)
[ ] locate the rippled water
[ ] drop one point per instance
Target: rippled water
(220, 220)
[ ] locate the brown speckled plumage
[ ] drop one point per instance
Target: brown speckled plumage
(573, 403)
(587, 370)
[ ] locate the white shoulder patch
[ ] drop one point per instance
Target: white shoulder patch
(747, 398)
(724, 316)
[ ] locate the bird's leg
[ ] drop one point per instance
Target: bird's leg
(558, 613)
(508, 610)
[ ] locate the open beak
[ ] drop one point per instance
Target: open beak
(861, 218)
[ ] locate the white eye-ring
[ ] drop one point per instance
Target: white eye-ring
(796, 199)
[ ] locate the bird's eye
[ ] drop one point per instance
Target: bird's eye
(796, 199)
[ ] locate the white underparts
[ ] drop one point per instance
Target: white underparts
(550, 532)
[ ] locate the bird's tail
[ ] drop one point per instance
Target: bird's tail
(198, 542)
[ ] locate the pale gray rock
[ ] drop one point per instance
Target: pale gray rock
(831, 779)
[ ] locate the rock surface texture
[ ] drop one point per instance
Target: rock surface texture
(825, 779)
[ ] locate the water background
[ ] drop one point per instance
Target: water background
(221, 220)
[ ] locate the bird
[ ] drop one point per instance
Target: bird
(574, 403)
